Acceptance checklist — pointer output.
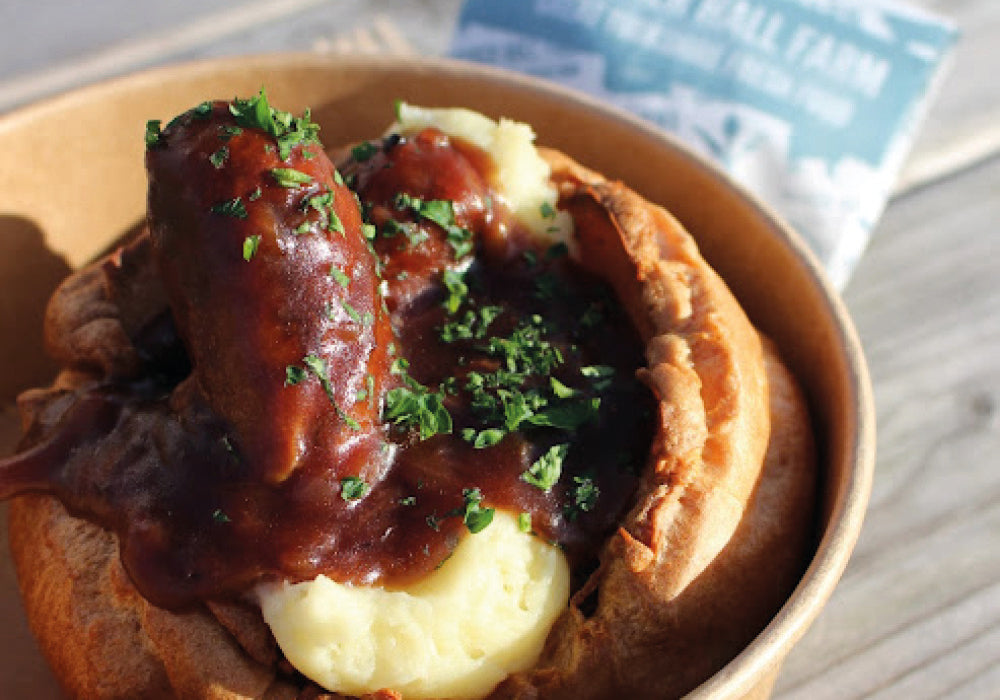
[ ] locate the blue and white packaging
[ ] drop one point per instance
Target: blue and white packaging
(811, 104)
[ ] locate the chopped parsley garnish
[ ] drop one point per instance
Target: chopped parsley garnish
(457, 290)
(547, 210)
(250, 246)
(481, 439)
(202, 110)
(585, 494)
(334, 223)
(153, 132)
(600, 375)
(231, 207)
(442, 213)
(415, 406)
(228, 131)
(524, 522)
(293, 375)
(290, 177)
(255, 195)
(288, 131)
(219, 157)
(544, 473)
(475, 517)
(547, 287)
(363, 151)
(323, 203)
(317, 365)
(342, 279)
(557, 250)
(220, 516)
(472, 325)
(408, 501)
(351, 312)
(353, 488)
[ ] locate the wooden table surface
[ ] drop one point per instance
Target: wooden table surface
(917, 614)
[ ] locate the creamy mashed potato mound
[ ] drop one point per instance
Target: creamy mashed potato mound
(482, 615)
(523, 177)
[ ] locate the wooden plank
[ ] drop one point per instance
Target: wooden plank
(923, 589)
(963, 125)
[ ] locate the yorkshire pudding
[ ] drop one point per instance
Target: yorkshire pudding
(710, 540)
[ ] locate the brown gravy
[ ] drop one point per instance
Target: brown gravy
(152, 459)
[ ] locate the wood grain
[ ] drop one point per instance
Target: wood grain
(917, 614)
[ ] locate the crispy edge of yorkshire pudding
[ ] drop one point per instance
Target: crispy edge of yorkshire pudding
(716, 539)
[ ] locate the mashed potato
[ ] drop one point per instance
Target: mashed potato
(456, 634)
(524, 178)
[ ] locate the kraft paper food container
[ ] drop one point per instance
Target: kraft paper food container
(72, 181)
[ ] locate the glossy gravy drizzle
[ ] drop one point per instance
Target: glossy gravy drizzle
(289, 452)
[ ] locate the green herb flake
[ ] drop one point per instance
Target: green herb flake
(228, 131)
(288, 131)
(219, 516)
(219, 157)
(561, 390)
(585, 495)
(544, 473)
(250, 246)
(317, 365)
(334, 223)
(363, 151)
(369, 232)
(482, 439)
(600, 376)
(475, 517)
(524, 522)
(203, 110)
(290, 177)
(408, 501)
(153, 133)
(556, 251)
(347, 418)
(293, 375)
(231, 207)
(339, 277)
(458, 290)
(255, 195)
(304, 227)
(337, 177)
(351, 312)
(353, 487)
(547, 210)
(442, 213)
(566, 415)
(415, 406)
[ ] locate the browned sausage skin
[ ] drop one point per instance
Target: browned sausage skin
(254, 246)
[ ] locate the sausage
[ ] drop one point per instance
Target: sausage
(273, 287)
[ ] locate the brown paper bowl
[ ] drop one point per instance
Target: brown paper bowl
(72, 181)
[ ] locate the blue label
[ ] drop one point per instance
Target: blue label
(809, 103)
(847, 88)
